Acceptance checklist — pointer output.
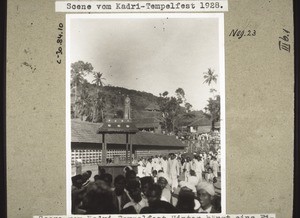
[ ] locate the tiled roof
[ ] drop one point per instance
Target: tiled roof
(203, 129)
(153, 106)
(145, 120)
(85, 132)
(150, 122)
(201, 122)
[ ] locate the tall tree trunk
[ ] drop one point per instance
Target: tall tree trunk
(94, 113)
(76, 104)
(173, 125)
(213, 125)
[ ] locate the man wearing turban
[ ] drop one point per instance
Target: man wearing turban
(205, 194)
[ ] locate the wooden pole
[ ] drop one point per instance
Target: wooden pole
(126, 148)
(130, 156)
(103, 161)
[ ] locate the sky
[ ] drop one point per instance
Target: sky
(152, 55)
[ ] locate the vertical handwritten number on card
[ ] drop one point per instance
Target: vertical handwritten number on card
(59, 51)
(283, 42)
(60, 26)
(59, 41)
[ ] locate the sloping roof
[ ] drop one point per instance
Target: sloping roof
(153, 107)
(85, 132)
(144, 138)
(203, 129)
(144, 114)
(201, 122)
(150, 122)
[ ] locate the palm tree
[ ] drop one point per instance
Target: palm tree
(78, 70)
(98, 79)
(210, 76)
(213, 91)
(98, 102)
(76, 80)
(212, 111)
(84, 104)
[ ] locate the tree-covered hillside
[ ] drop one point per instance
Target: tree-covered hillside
(95, 101)
(113, 99)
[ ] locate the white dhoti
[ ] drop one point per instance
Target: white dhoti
(174, 181)
(186, 175)
(199, 175)
(173, 173)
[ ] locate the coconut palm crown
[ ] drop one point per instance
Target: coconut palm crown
(210, 76)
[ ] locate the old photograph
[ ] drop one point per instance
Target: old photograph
(145, 113)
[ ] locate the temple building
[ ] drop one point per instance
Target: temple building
(151, 124)
(149, 120)
(152, 107)
(146, 140)
(86, 144)
(202, 125)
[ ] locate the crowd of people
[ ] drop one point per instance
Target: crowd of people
(162, 184)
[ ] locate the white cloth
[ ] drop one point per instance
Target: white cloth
(211, 163)
(148, 169)
(164, 165)
(166, 176)
(156, 166)
(119, 198)
(166, 195)
(179, 166)
(209, 177)
(141, 169)
(193, 164)
(215, 168)
(199, 168)
(187, 167)
(137, 206)
(173, 167)
(208, 187)
(205, 211)
(192, 180)
(188, 185)
(173, 172)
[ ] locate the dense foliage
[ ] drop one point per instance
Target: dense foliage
(96, 101)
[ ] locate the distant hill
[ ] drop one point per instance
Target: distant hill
(141, 102)
(115, 96)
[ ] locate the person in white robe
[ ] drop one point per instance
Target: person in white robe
(215, 166)
(199, 168)
(149, 168)
(141, 169)
(156, 164)
(187, 167)
(173, 171)
(164, 164)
